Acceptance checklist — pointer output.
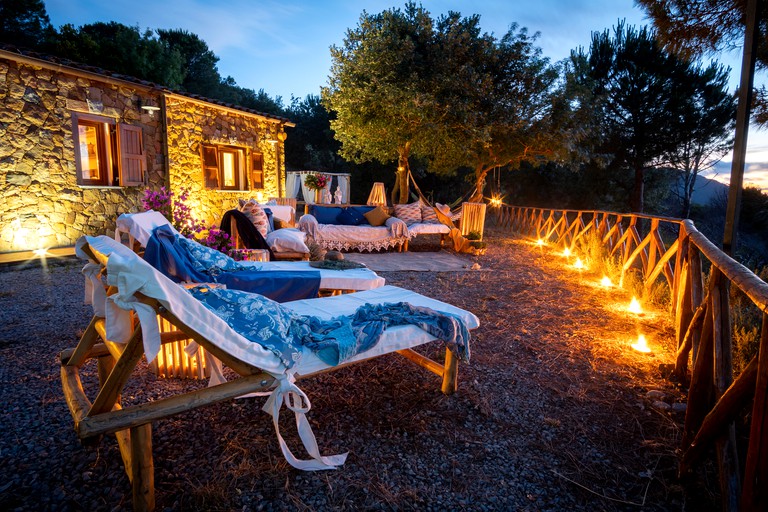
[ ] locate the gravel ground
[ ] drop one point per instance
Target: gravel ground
(553, 412)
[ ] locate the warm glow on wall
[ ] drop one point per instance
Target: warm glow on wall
(641, 345)
(37, 239)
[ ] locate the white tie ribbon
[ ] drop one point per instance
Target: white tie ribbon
(294, 399)
(95, 294)
(118, 318)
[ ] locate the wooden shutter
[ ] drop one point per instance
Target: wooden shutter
(210, 161)
(133, 164)
(257, 171)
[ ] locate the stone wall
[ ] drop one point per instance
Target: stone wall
(189, 124)
(41, 204)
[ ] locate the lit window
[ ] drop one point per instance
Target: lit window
(107, 153)
(227, 168)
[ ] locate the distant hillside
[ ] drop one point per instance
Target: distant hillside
(706, 189)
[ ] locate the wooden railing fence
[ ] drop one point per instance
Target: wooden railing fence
(703, 329)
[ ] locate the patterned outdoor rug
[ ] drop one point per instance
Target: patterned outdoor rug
(441, 261)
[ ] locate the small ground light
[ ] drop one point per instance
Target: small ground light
(634, 307)
(40, 252)
(539, 242)
(578, 264)
(606, 281)
(641, 345)
(566, 252)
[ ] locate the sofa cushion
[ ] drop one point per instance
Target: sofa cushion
(270, 218)
(377, 217)
(351, 217)
(409, 213)
(428, 215)
(326, 214)
(288, 240)
(258, 216)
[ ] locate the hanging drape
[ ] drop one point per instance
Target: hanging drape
(292, 184)
(344, 186)
(296, 179)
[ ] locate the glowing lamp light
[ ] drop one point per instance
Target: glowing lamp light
(495, 201)
(40, 253)
(578, 264)
(634, 307)
(606, 281)
(566, 252)
(641, 345)
(540, 242)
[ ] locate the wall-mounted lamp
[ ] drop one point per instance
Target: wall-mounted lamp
(149, 107)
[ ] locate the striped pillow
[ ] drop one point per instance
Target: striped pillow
(428, 215)
(409, 213)
(258, 216)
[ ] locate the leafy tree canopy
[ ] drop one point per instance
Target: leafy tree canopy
(698, 27)
(121, 49)
(380, 90)
(642, 99)
(24, 23)
(404, 85)
(199, 63)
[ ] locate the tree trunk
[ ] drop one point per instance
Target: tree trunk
(637, 191)
(480, 175)
(400, 190)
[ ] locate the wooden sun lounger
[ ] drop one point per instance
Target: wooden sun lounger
(132, 424)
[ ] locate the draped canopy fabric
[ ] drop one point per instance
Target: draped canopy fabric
(294, 180)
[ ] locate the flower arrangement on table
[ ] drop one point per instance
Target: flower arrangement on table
(316, 181)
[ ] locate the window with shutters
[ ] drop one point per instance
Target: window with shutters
(257, 171)
(230, 168)
(108, 153)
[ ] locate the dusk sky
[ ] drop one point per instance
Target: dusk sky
(283, 46)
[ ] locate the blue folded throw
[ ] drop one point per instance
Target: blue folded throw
(180, 260)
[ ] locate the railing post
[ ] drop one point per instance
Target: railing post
(700, 390)
(727, 456)
(754, 495)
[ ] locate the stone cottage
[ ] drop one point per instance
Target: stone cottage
(79, 146)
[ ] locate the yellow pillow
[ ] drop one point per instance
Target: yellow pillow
(376, 217)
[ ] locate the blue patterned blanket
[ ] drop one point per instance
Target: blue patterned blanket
(181, 259)
(280, 330)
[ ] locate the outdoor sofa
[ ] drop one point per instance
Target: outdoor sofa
(369, 228)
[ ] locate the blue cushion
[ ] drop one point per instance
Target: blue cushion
(363, 210)
(351, 217)
(326, 214)
(270, 218)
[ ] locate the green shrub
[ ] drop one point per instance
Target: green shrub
(474, 235)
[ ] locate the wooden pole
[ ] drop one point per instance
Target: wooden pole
(142, 468)
(700, 390)
(742, 128)
(755, 492)
(727, 456)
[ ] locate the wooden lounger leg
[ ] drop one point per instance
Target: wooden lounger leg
(142, 468)
(450, 373)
